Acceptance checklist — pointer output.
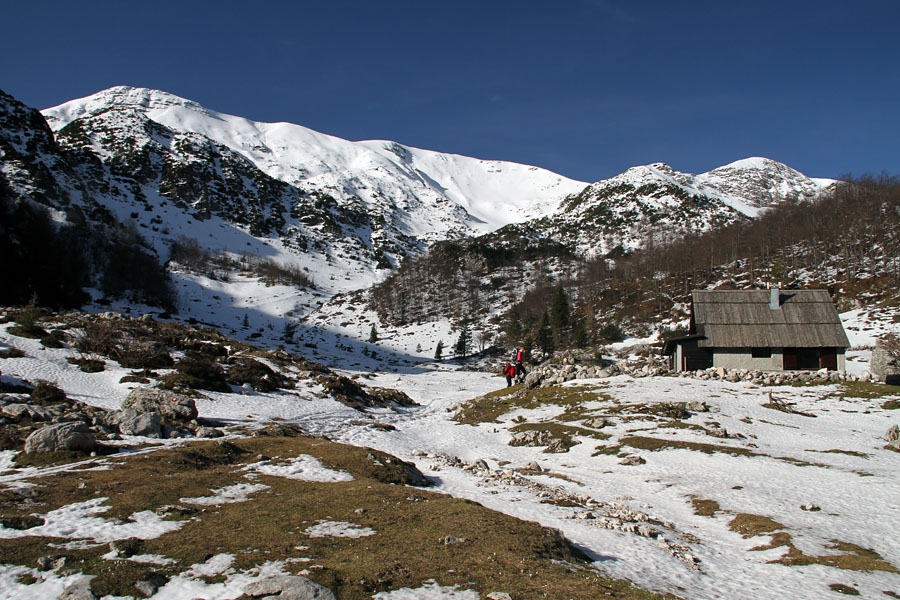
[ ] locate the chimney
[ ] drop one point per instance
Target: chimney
(774, 298)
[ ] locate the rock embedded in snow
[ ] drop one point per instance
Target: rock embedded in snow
(62, 436)
(292, 587)
(892, 434)
(697, 406)
(79, 590)
(148, 587)
(169, 405)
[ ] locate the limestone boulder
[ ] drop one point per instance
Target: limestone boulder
(132, 422)
(61, 436)
(171, 407)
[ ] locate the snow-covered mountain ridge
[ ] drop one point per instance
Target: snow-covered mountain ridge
(444, 194)
(421, 196)
(654, 204)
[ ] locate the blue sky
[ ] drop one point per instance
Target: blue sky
(585, 88)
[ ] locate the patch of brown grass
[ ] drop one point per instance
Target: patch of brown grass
(499, 552)
(705, 508)
(490, 407)
(850, 557)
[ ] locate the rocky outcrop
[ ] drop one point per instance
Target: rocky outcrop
(62, 436)
(171, 407)
(292, 587)
(132, 422)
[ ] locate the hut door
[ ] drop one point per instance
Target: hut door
(790, 360)
(828, 360)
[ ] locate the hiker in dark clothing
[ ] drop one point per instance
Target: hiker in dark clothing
(509, 371)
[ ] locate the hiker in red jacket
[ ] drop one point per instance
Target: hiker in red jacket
(520, 368)
(509, 371)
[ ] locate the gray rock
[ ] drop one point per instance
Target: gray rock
(893, 434)
(449, 540)
(556, 446)
(697, 406)
(480, 465)
(132, 422)
(79, 590)
(208, 432)
(499, 596)
(288, 587)
(530, 438)
(62, 436)
(534, 466)
(151, 585)
(32, 411)
(169, 405)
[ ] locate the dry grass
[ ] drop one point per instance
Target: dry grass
(705, 508)
(848, 557)
(490, 407)
(500, 553)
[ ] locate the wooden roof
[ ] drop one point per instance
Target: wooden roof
(743, 319)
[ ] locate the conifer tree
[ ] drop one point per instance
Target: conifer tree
(373, 334)
(579, 333)
(545, 334)
(464, 343)
(559, 312)
(513, 327)
(439, 350)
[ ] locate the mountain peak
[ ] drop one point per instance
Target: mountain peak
(144, 99)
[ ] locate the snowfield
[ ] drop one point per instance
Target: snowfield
(824, 477)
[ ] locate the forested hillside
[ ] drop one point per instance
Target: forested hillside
(847, 242)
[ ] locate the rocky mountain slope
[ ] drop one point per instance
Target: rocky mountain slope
(654, 204)
(386, 196)
(344, 213)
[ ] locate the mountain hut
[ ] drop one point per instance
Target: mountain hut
(766, 330)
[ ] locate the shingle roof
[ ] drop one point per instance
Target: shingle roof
(743, 319)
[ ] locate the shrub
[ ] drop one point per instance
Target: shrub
(100, 336)
(26, 322)
(88, 365)
(143, 354)
(611, 333)
(46, 392)
(11, 353)
(54, 339)
(257, 374)
(196, 374)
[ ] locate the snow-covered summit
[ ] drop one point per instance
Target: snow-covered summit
(419, 182)
(755, 183)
